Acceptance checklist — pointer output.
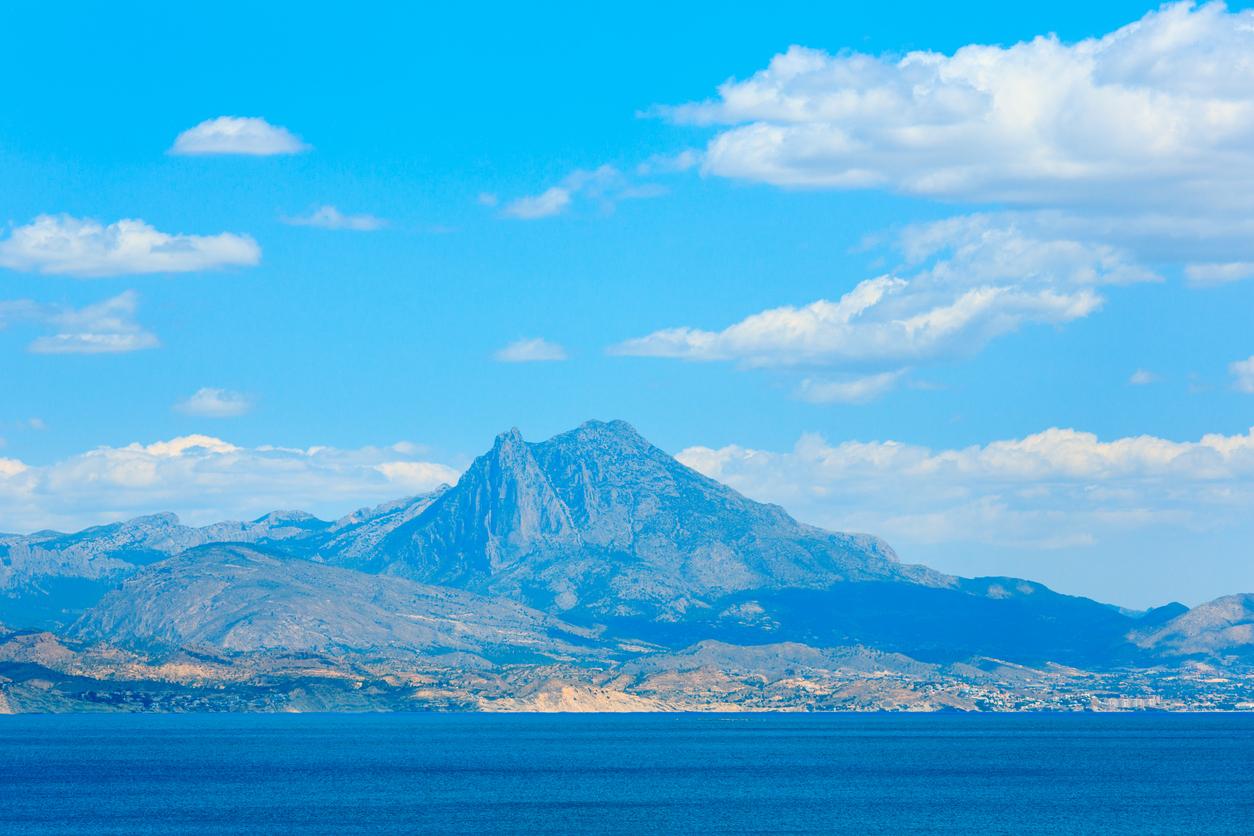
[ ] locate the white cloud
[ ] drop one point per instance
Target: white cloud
(64, 245)
(853, 390)
(425, 475)
(530, 351)
(1157, 113)
(552, 201)
(1219, 273)
(208, 402)
(107, 327)
(969, 280)
(1055, 489)
(605, 186)
(328, 217)
(206, 479)
(487, 199)
(1143, 377)
(1142, 138)
(248, 135)
(669, 163)
(1243, 375)
(18, 310)
(863, 327)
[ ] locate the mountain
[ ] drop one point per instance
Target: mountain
(1034, 625)
(589, 549)
(239, 600)
(357, 536)
(599, 522)
(1219, 628)
(48, 578)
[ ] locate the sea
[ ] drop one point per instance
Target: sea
(656, 773)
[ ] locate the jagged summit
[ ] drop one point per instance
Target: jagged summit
(511, 436)
(599, 519)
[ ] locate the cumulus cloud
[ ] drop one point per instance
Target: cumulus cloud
(1059, 488)
(65, 245)
(328, 217)
(880, 321)
(1243, 375)
(604, 186)
(206, 479)
(966, 281)
(107, 327)
(249, 135)
(1143, 377)
(208, 402)
(1160, 111)
(533, 350)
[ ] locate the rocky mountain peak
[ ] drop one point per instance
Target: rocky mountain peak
(508, 439)
(165, 520)
(599, 518)
(615, 428)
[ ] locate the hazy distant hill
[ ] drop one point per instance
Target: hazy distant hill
(48, 578)
(1223, 627)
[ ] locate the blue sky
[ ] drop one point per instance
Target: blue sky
(1058, 232)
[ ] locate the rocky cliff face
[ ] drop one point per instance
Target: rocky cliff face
(599, 521)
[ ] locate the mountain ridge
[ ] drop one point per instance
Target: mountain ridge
(599, 519)
(592, 557)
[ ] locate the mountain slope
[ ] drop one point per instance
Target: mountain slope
(241, 600)
(48, 578)
(599, 521)
(1223, 627)
(934, 624)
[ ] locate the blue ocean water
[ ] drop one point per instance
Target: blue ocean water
(865, 774)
